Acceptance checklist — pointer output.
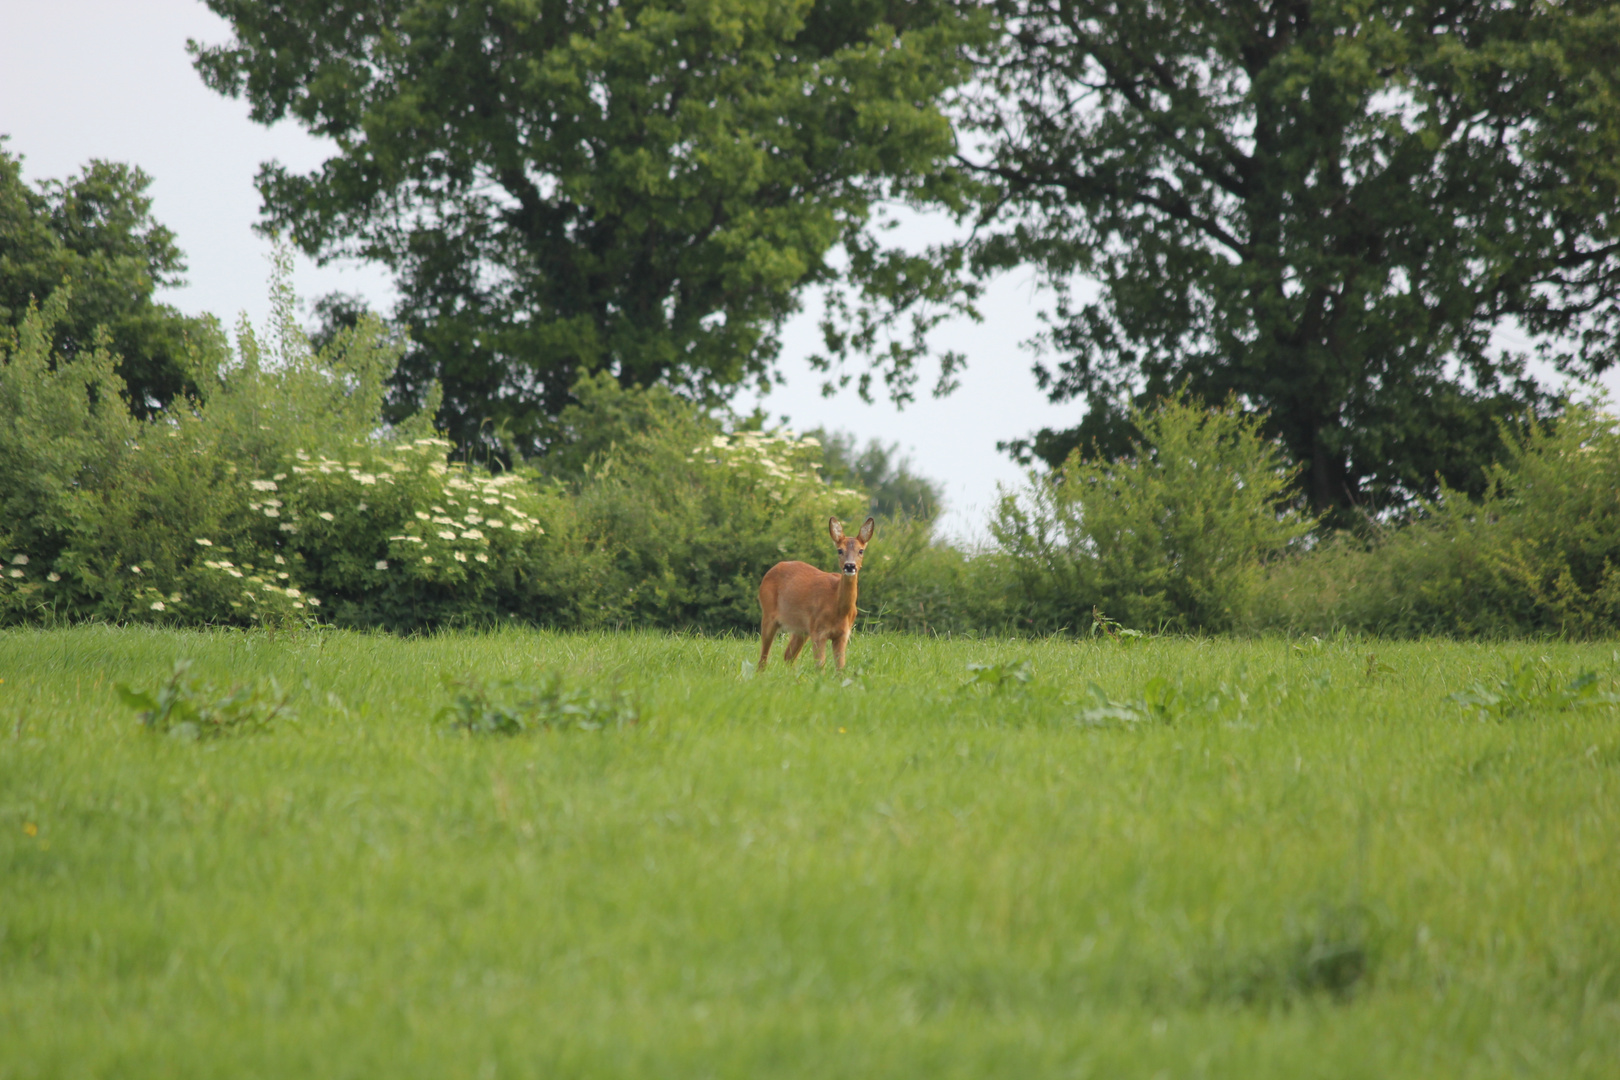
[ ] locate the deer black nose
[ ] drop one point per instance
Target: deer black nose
(849, 568)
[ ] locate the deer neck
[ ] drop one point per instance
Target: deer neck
(847, 589)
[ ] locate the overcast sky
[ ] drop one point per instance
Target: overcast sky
(82, 79)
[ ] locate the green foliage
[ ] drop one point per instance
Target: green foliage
(1533, 687)
(565, 188)
(999, 677)
(187, 708)
(92, 236)
(513, 708)
(676, 522)
(1326, 209)
(110, 516)
(1538, 553)
(1174, 536)
(897, 492)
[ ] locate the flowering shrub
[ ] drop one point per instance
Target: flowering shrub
(674, 521)
(391, 535)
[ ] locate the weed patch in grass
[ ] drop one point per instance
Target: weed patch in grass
(185, 707)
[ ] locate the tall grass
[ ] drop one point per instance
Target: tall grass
(1299, 861)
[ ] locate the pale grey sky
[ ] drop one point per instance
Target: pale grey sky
(81, 79)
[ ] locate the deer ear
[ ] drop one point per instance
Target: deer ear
(865, 534)
(835, 529)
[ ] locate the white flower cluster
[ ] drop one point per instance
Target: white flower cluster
(263, 592)
(786, 463)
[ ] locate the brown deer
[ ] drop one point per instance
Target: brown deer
(811, 604)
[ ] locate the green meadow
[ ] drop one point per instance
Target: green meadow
(1169, 857)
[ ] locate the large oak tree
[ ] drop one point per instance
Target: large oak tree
(642, 187)
(1343, 211)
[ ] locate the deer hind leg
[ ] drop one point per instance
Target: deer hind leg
(820, 646)
(794, 646)
(767, 634)
(839, 644)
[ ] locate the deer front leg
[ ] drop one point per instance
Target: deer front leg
(795, 645)
(839, 644)
(819, 644)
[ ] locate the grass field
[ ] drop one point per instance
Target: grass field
(1253, 859)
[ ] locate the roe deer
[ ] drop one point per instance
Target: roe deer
(811, 604)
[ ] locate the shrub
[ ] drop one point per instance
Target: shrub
(1174, 535)
(1540, 552)
(675, 522)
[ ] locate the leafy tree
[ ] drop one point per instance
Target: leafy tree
(895, 490)
(1328, 208)
(572, 186)
(94, 234)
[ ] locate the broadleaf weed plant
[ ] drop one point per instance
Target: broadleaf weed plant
(184, 707)
(1533, 687)
(513, 708)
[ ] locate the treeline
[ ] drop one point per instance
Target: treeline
(278, 494)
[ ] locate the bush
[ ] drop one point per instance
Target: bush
(277, 494)
(1539, 553)
(675, 522)
(1175, 535)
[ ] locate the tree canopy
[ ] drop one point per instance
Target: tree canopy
(571, 186)
(94, 234)
(1331, 209)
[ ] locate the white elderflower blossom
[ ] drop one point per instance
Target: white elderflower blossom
(53, 576)
(362, 507)
(472, 534)
(442, 520)
(272, 502)
(19, 560)
(204, 543)
(271, 512)
(280, 561)
(133, 568)
(325, 515)
(288, 527)
(461, 556)
(492, 500)
(298, 605)
(427, 558)
(382, 564)
(294, 593)
(312, 601)
(423, 517)
(263, 485)
(447, 534)
(365, 478)
(495, 523)
(233, 571)
(157, 605)
(481, 557)
(16, 573)
(472, 518)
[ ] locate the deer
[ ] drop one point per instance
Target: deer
(813, 605)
